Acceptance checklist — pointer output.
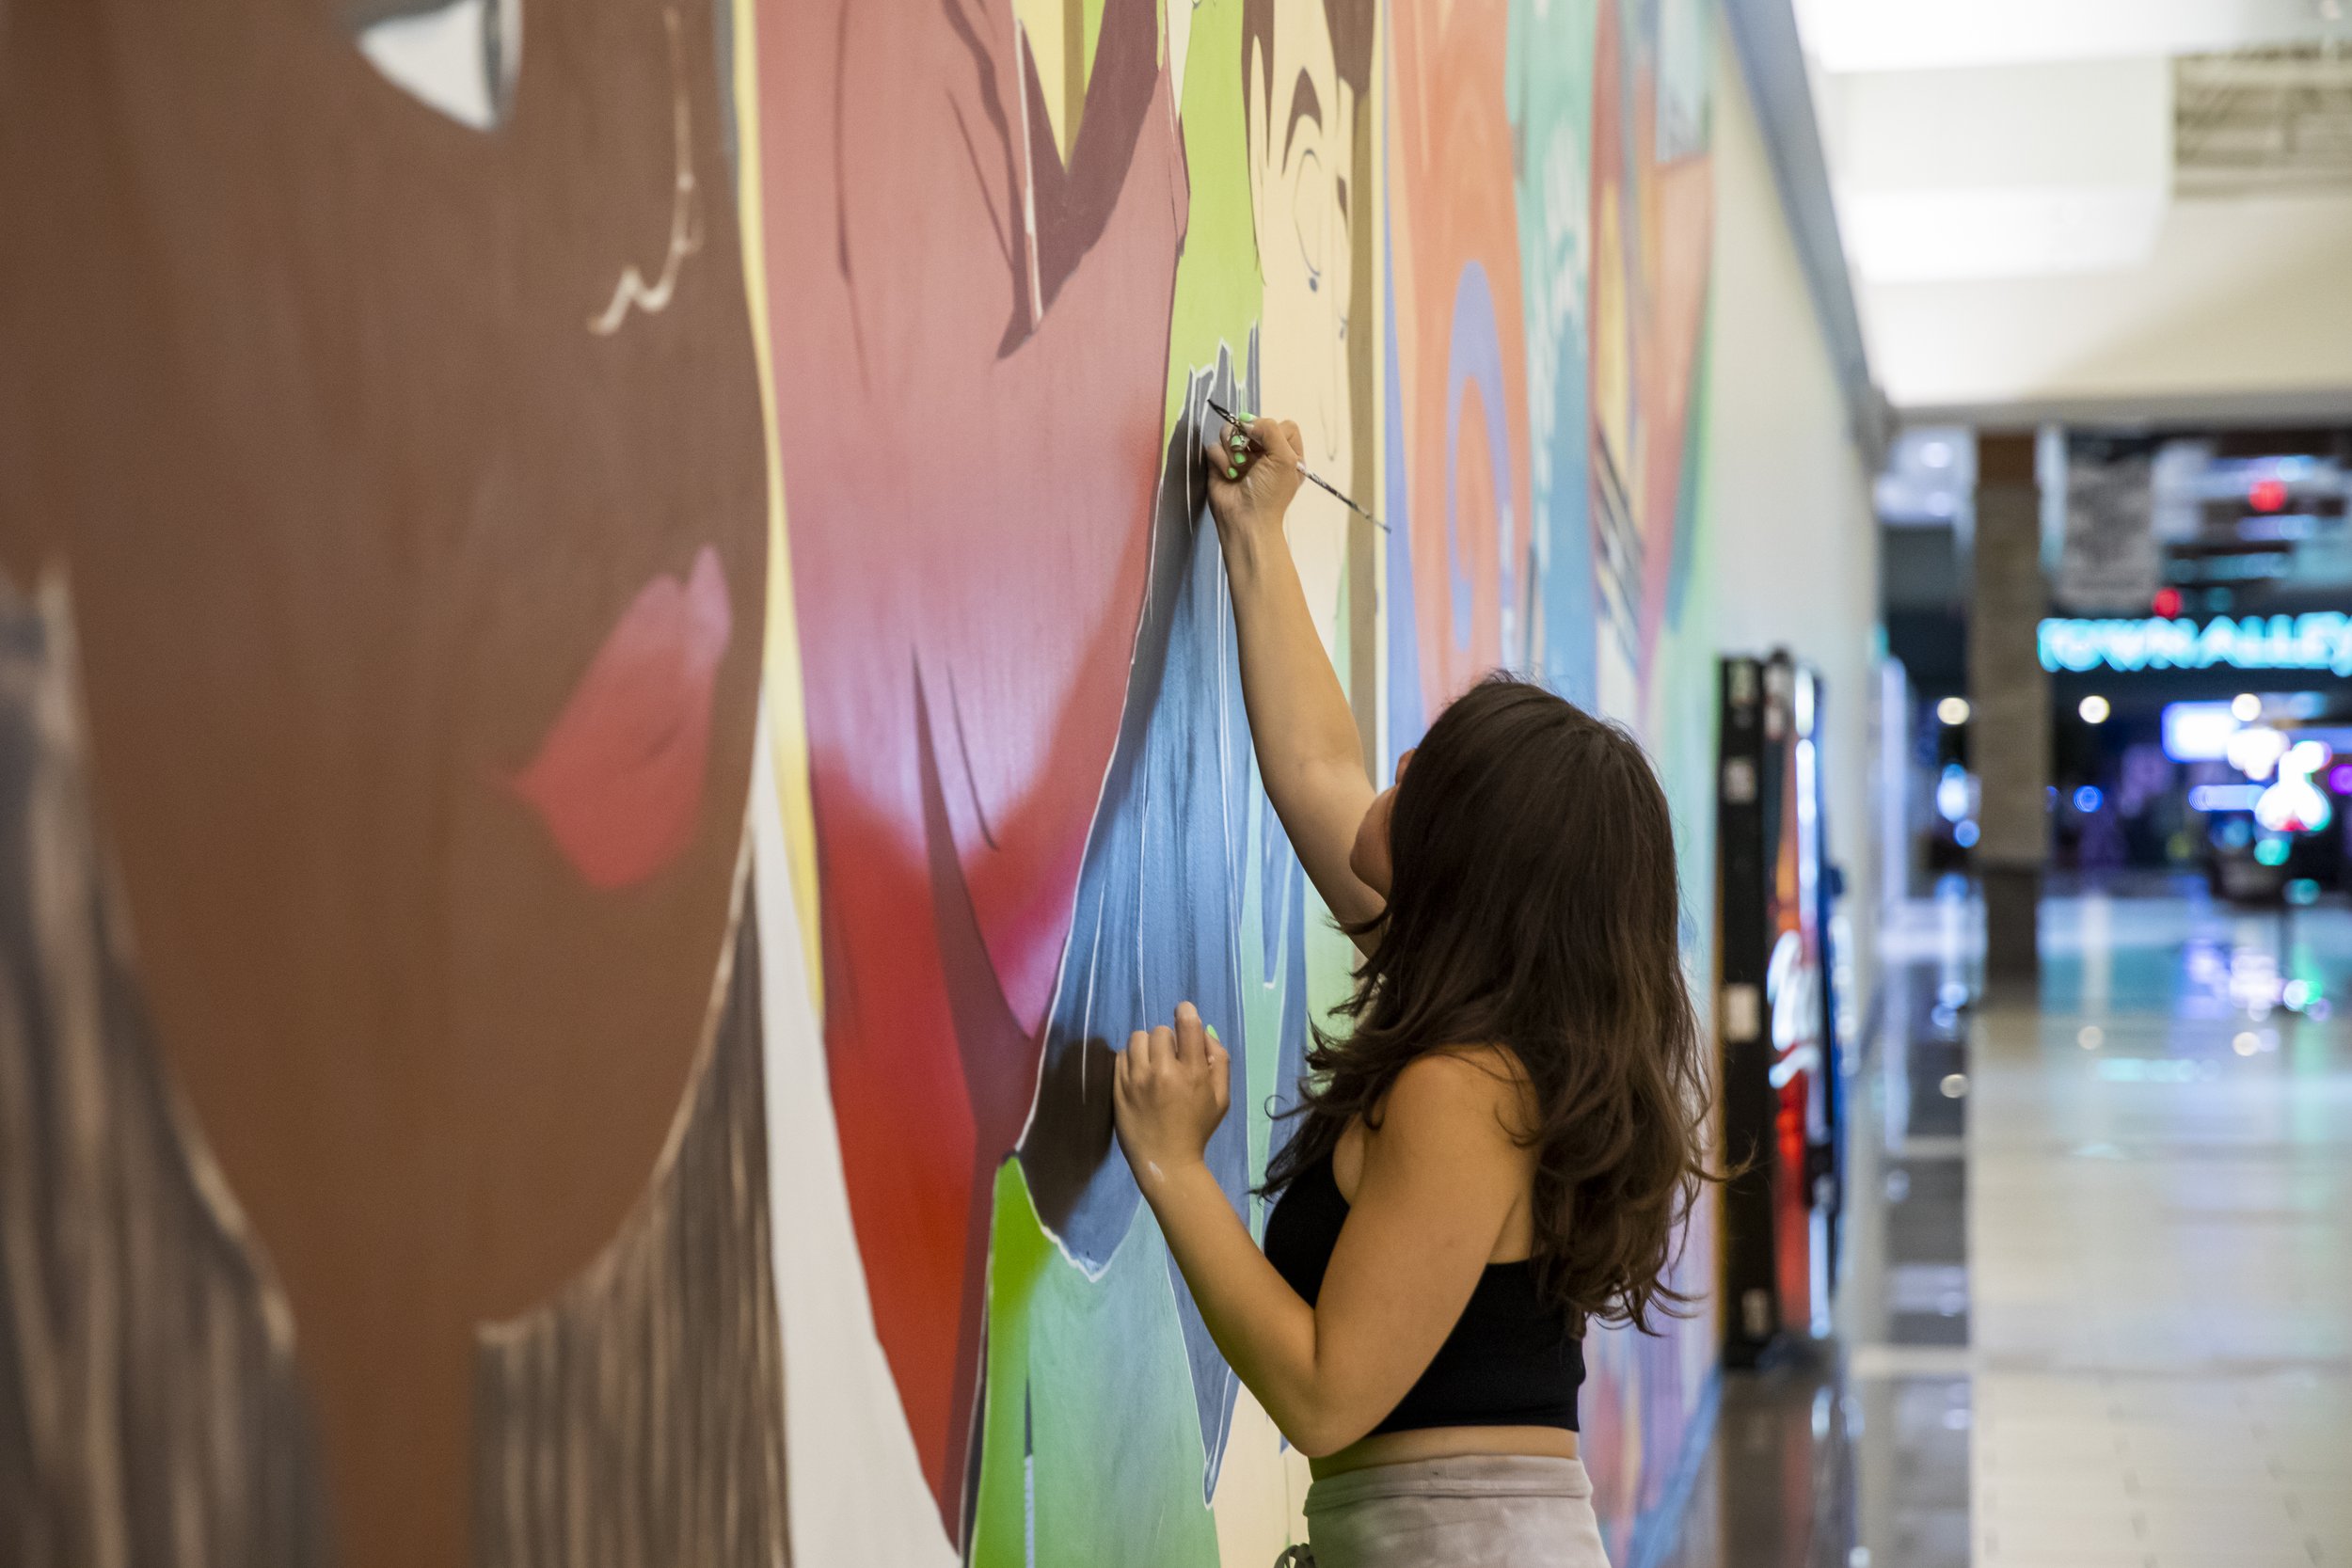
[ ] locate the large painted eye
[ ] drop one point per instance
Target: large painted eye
(458, 56)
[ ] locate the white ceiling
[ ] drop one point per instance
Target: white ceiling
(1915, 34)
(2007, 191)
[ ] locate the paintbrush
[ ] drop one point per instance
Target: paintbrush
(1228, 416)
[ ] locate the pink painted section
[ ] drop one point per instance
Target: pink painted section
(618, 781)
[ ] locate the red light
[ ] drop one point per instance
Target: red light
(2167, 602)
(2269, 495)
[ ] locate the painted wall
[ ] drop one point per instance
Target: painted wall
(1790, 519)
(662, 696)
(1469, 250)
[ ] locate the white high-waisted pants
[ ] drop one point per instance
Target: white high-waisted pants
(1478, 1511)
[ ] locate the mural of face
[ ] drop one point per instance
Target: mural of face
(408, 479)
(1302, 144)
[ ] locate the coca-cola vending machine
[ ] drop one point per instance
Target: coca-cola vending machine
(1775, 1015)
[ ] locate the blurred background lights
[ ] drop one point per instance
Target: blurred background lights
(2245, 708)
(1954, 793)
(1954, 710)
(2255, 752)
(2094, 709)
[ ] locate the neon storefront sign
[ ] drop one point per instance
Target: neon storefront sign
(2319, 640)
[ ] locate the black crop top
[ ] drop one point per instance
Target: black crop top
(1510, 1360)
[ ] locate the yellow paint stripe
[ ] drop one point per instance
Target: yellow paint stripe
(781, 688)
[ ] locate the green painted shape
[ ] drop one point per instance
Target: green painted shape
(1090, 1446)
(1091, 33)
(1218, 286)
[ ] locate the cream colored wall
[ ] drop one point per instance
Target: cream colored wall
(1792, 539)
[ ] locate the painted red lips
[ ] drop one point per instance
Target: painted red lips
(618, 781)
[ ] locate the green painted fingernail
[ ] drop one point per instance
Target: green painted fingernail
(1232, 473)
(1212, 1028)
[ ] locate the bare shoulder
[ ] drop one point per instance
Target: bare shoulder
(1460, 1091)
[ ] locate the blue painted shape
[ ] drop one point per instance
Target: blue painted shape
(1159, 916)
(1474, 354)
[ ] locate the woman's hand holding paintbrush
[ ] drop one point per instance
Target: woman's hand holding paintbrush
(1254, 473)
(1241, 439)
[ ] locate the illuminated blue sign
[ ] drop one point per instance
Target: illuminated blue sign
(2320, 640)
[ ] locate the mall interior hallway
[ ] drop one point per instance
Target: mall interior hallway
(2096, 1304)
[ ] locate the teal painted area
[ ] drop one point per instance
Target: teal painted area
(1550, 101)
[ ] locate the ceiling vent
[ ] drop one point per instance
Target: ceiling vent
(2261, 120)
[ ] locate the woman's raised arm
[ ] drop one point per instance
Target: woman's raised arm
(1305, 735)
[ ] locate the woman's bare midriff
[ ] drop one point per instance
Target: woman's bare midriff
(1406, 1448)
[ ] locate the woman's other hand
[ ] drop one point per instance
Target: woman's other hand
(1170, 1091)
(1253, 477)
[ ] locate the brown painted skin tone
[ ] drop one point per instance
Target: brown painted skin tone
(1441, 1188)
(296, 382)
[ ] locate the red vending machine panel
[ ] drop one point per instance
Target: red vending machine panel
(1773, 1012)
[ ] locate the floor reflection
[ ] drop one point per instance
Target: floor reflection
(2095, 1304)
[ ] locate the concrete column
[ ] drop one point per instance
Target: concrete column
(2008, 709)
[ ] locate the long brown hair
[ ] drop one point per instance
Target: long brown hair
(1534, 904)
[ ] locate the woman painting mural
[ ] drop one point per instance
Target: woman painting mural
(1501, 1150)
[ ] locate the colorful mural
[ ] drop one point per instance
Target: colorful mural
(663, 694)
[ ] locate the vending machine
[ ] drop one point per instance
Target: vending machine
(1776, 1017)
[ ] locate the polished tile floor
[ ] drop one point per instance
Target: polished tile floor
(2160, 1244)
(2096, 1304)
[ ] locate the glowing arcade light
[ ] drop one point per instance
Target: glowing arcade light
(2166, 603)
(1952, 711)
(2198, 732)
(2245, 708)
(2293, 805)
(2255, 752)
(2094, 709)
(2088, 799)
(2268, 494)
(2218, 798)
(1955, 793)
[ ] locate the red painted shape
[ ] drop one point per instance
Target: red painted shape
(2167, 603)
(971, 362)
(619, 778)
(2269, 495)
